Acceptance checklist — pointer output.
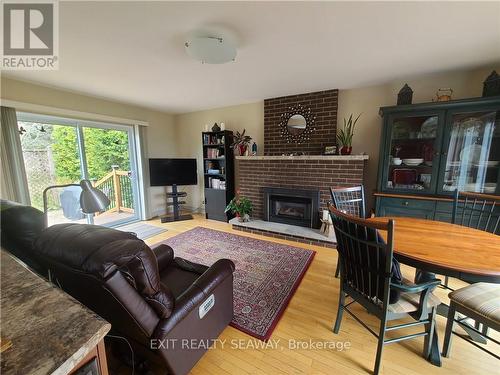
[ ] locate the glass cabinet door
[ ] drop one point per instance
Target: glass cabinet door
(472, 159)
(412, 162)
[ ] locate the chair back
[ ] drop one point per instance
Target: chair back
(478, 211)
(350, 200)
(365, 258)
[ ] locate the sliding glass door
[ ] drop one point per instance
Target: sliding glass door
(61, 151)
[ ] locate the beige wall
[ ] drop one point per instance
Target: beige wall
(159, 135)
(190, 125)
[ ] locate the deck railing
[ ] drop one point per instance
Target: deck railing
(117, 186)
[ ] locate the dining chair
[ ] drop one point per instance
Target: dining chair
(475, 210)
(478, 211)
(481, 302)
(367, 276)
(349, 200)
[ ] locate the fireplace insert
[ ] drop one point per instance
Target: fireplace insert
(291, 206)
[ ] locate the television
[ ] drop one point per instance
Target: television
(168, 172)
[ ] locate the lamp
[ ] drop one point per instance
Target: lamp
(91, 199)
(211, 50)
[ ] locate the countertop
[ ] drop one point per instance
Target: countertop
(50, 331)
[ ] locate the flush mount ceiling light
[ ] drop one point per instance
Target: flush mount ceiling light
(211, 50)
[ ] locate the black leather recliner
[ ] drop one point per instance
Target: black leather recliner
(20, 227)
(159, 303)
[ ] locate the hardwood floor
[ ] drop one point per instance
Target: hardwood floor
(310, 317)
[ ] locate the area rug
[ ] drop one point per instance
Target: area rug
(142, 230)
(265, 279)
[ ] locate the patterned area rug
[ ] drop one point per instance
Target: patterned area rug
(266, 276)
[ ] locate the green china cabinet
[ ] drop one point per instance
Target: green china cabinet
(428, 150)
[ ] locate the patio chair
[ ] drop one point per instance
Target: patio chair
(367, 276)
(350, 200)
(481, 302)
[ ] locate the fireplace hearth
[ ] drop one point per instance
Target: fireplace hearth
(292, 206)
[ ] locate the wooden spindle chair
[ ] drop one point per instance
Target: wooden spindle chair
(478, 211)
(366, 276)
(351, 201)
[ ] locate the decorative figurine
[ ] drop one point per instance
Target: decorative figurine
(405, 95)
(215, 128)
(254, 149)
(443, 95)
(491, 86)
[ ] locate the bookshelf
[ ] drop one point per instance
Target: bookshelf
(218, 173)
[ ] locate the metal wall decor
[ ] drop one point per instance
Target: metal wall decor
(287, 131)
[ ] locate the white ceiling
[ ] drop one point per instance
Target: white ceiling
(133, 51)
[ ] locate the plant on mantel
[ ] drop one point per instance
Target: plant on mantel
(344, 136)
(240, 206)
(241, 142)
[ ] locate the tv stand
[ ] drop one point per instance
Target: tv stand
(175, 195)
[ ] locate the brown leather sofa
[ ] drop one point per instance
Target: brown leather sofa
(20, 227)
(167, 308)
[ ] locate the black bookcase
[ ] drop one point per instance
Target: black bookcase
(218, 173)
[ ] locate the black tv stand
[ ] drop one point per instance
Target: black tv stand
(175, 195)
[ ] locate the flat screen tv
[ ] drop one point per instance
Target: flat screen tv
(168, 172)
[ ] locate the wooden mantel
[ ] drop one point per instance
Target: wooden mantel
(304, 157)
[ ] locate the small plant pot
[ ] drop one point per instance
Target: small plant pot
(345, 150)
(243, 219)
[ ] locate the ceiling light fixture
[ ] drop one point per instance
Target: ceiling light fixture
(211, 50)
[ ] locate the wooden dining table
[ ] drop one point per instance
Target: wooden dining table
(446, 249)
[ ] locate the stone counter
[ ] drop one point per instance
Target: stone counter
(50, 331)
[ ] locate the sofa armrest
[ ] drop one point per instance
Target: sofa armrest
(164, 255)
(195, 295)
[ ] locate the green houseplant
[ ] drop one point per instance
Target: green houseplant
(344, 136)
(241, 142)
(240, 206)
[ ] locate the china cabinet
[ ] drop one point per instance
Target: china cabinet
(428, 150)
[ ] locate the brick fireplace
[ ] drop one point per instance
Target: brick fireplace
(296, 172)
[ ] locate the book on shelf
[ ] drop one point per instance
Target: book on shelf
(215, 183)
(214, 153)
(212, 139)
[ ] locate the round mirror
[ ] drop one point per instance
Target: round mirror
(296, 124)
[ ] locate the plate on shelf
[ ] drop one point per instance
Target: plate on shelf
(412, 162)
(429, 127)
(401, 130)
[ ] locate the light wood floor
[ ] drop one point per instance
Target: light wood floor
(310, 316)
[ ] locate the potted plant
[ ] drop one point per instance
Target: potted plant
(241, 142)
(344, 136)
(240, 206)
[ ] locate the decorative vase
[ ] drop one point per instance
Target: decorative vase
(346, 150)
(243, 149)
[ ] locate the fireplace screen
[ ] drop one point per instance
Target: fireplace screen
(291, 206)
